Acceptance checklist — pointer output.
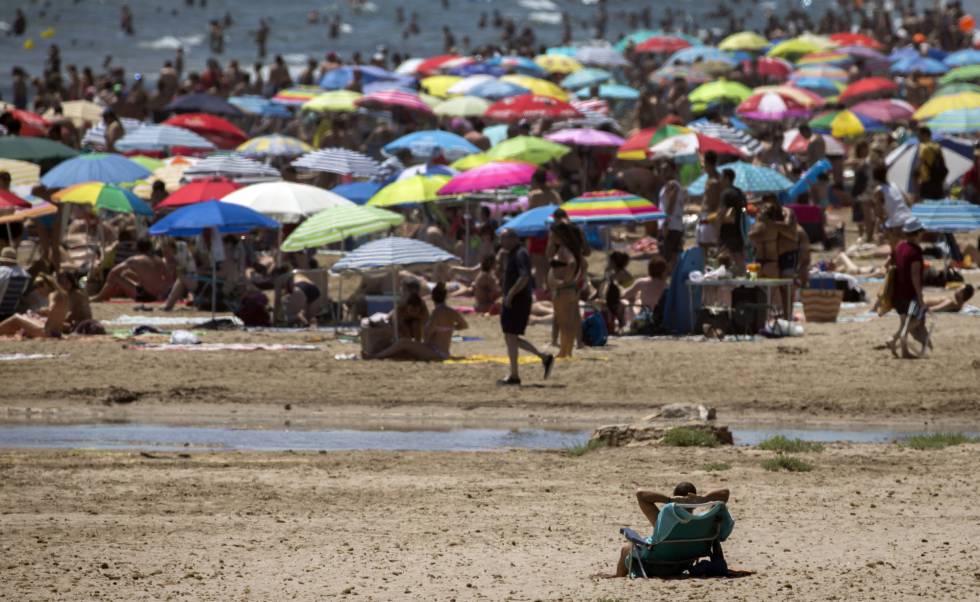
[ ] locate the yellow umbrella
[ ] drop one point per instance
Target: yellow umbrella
(557, 63)
(846, 125)
(941, 104)
(22, 173)
(337, 101)
(430, 100)
(438, 85)
(471, 161)
(743, 40)
(798, 46)
(541, 87)
(80, 112)
(416, 189)
(462, 106)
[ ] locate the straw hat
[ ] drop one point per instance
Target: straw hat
(8, 256)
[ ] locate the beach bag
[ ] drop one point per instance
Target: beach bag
(376, 336)
(884, 304)
(749, 310)
(254, 310)
(594, 330)
(821, 305)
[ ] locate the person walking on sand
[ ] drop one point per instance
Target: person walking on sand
(517, 303)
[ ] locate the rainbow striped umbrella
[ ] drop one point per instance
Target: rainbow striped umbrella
(956, 121)
(103, 196)
(611, 207)
(827, 71)
(274, 145)
(297, 96)
(826, 57)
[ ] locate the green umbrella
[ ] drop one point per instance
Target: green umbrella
(957, 88)
(103, 196)
(148, 162)
(527, 149)
(966, 73)
(719, 90)
(337, 223)
(416, 189)
(36, 150)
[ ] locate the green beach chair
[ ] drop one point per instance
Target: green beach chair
(680, 538)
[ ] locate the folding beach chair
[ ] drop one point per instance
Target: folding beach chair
(680, 538)
(10, 296)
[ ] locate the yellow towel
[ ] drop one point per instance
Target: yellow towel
(502, 359)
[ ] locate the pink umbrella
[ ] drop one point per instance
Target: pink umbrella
(491, 176)
(770, 106)
(393, 98)
(887, 110)
(585, 137)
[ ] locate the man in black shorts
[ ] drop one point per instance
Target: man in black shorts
(517, 306)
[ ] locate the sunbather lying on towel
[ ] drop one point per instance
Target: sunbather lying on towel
(951, 304)
(684, 493)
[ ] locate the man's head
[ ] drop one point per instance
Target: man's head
(684, 488)
(805, 131)
(5, 180)
(508, 239)
(913, 230)
(657, 267)
(729, 176)
(144, 246)
(964, 294)
(925, 134)
(560, 215)
(710, 159)
(439, 293)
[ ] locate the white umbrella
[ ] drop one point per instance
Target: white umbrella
(232, 167)
(338, 160)
(161, 137)
(463, 86)
(902, 162)
(286, 202)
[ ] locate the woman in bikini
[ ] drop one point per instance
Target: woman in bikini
(48, 322)
(437, 334)
(563, 278)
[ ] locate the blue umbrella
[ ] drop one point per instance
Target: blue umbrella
(563, 50)
(520, 64)
(341, 77)
(202, 103)
(95, 167)
(532, 222)
(260, 105)
(477, 69)
(960, 58)
(903, 161)
(358, 192)
(497, 89)
(911, 52)
(821, 85)
(948, 215)
(611, 92)
(495, 133)
(956, 121)
(705, 54)
(585, 77)
(748, 177)
(428, 143)
(161, 138)
(919, 64)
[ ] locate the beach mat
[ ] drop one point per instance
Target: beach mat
(127, 320)
(224, 347)
(21, 357)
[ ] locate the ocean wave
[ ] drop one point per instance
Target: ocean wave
(545, 5)
(173, 42)
(549, 18)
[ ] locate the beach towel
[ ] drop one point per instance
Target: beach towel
(18, 357)
(223, 347)
(503, 360)
(127, 320)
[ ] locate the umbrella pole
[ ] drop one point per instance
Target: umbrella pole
(466, 243)
(10, 237)
(279, 246)
(214, 284)
(394, 290)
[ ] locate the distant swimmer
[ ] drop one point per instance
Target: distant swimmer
(126, 20)
(20, 23)
(261, 37)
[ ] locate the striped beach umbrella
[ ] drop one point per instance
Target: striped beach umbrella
(827, 71)
(337, 223)
(162, 138)
(22, 173)
(826, 57)
(341, 161)
(967, 73)
(750, 178)
(726, 133)
(611, 207)
(902, 161)
(387, 99)
(948, 215)
(957, 121)
(103, 196)
(94, 167)
(391, 252)
(94, 137)
(232, 167)
(941, 104)
(273, 145)
(300, 95)
(888, 110)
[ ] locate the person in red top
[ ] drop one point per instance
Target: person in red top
(909, 268)
(971, 179)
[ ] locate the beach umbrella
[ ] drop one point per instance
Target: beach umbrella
(392, 252)
(888, 110)
(426, 169)
(427, 144)
(530, 106)
(202, 103)
(22, 173)
(801, 96)
(826, 71)
(103, 196)
(232, 167)
(941, 104)
(795, 143)
(432, 64)
(287, 202)
(341, 161)
(477, 69)
(744, 40)
(462, 106)
(342, 77)
(150, 163)
(796, 47)
(225, 218)
(690, 74)
(465, 86)
(947, 215)
(497, 89)
(81, 113)
(94, 167)
(338, 223)
(337, 101)
(528, 149)
(919, 64)
(855, 39)
(273, 145)
(221, 132)
(903, 161)
(690, 144)
(956, 88)
(518, 64)
(31, 124)
(869, 86)
(470, 161)
(495, 175)
(645, 34)
(162, 138)
(754, 179)
(611, 207)
(967, 73)
(611, 92)
(584, 78)
(438, 85)
(600, 56)
(414, 189)
(259, 105)
(537, 86)
(638, 144)
(662, 45)
(771, 106)
(957, 121)
(409, 66)
(37, 207)
(358, 192)
(9, 200)
(171, 174)
(745, 143)
(393, 98)
(495, 133)
(585, 137)
(533, 222)
(819, 85)
(846, 124)
(871, 59)
(556, 63)
(94, 137)
(198, 191)
(825, 57)
(720, 90)
(700, 54)
(297, 96)
(961, 58)
(35, 150)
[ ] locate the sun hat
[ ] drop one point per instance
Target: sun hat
(8, 256)
(912, 226)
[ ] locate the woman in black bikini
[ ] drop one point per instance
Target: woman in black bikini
(563, 277)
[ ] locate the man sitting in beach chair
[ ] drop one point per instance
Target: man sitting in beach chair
(688, 527)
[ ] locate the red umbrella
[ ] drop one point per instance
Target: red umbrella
(199, 191)
(887, 110)
(662, 44)
(221, 132)
(9, 200)
(769, 66)
(530, 106)
(31, 124)
(868, 86)
(855, 39)
(393, 98)
(432, 64)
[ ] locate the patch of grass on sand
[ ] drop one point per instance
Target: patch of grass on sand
(716, 466)
(580, 450)
(688, 437)
(789, 463)
(779, 443)
(939, 440)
